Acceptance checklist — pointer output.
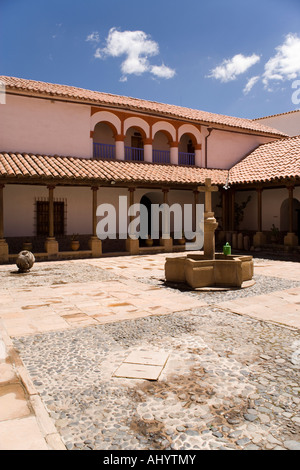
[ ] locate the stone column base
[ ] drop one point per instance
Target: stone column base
(259, 239)
(95, 245)
(132, 246)
(291, 239)
(167, 243)
(3, 251)
(51, 247)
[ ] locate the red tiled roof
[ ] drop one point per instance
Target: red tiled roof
(95, 97)
(27, 166)
(269, 162)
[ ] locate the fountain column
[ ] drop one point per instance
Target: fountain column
(210, 223)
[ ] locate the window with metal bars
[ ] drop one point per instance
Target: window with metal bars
(42, 218)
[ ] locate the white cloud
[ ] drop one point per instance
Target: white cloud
(93, 37)
(250, 84)
(230, 68)
(137, 47)
(285, 65)
(162, 71)
(98, 54)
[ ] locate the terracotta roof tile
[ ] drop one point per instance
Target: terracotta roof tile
(95, 97)
(269, 162)
(24, 166)
(272, 161)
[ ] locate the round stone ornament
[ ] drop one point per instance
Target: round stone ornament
(25, 261)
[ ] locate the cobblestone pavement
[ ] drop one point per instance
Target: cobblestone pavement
(231, 380)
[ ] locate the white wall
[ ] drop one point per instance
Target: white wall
(271, 204)
(19, 205)
(19, 209)
(287, 123)
(250, 213)
(44, 127)
(224, 149)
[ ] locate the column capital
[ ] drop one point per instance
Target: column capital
(131, 189)
(165, 190)
(119, 138)
(2, 185)
(51, 186)
(94, 188)
(173, 144)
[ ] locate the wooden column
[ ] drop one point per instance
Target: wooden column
(95, 243)
(291, 215)
(1, 212)
(3, 244)
(51, 211)
(224, 211)
(291, 239)
(131, 200)
(259, 238)
(132, 244)
(232, 209)
(259, 209)
(51, 244)
(196, 201)
(94, 209)
(167, 243)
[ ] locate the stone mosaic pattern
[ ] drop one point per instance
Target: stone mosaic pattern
(229, 383)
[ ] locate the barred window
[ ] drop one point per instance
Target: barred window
(42, 218)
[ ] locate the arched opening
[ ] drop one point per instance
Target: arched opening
(161, 147)
(284, 216)
(186, 150)
(134, 144)
(147, 200)
(104, 141)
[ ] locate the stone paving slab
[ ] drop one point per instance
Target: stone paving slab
(21, 434)
(125, 300)
(150, 357)
(46, 308)
(282, 307)
(138, 371)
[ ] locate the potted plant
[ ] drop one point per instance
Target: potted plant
(75, 242)
(149, 241)
(274, 234)
(181, 240)
(27, 245)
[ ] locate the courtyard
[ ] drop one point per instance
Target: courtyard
(102, 354)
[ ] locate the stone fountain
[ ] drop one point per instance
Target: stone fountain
(209, 269)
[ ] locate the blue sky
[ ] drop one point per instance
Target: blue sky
(239, 58)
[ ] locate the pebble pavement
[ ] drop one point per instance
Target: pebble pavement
(230, 381)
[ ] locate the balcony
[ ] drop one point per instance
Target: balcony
(185, 158)
(134, 154)
(160, 156)
(107, 151)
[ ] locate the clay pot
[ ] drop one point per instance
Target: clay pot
(75, 245)
(149, 242)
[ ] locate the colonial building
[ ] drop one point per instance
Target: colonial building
(65, 150)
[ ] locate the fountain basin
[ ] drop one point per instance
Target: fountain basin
(198, 271)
